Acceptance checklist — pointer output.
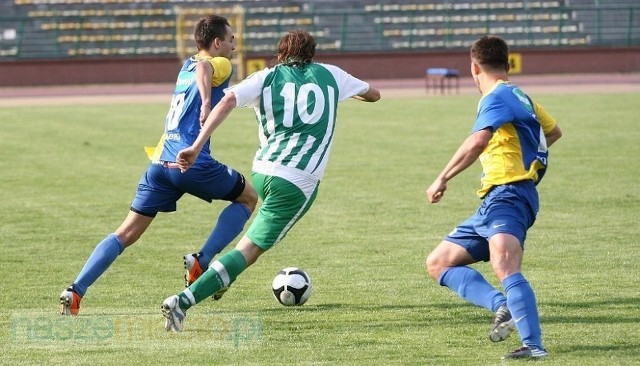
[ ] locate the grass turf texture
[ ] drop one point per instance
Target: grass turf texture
(69, 174)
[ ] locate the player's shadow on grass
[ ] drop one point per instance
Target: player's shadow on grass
(417, 314)
(342, 306)
(626, 349)
(601, 311)
(617, 301)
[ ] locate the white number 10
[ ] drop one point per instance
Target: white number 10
(301, 101)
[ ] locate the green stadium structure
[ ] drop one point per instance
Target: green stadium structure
(119, 29)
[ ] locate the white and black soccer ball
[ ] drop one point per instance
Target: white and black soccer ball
(292, 286)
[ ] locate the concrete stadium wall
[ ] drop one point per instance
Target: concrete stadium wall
(400, 65)
(533, 62)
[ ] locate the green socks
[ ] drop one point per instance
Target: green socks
(221, 274)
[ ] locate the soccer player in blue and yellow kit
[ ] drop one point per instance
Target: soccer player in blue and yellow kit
(510, 137)
(199, 87)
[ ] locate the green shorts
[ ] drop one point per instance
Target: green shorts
(283, 204)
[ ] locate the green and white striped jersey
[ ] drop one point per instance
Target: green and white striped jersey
(295, 108)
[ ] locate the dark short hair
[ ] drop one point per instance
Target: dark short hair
(297, 46)
(209, 28)
(491, 52)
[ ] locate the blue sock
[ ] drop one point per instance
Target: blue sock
(230, 224)
(471, 286)
(522, 304)
(103, 255)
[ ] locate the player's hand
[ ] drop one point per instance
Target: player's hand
(436, 190)
(205, 109)
(186, 158)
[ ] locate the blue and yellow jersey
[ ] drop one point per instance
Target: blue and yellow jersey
(518, 149)
(182, 124)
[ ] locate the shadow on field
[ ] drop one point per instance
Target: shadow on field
(627, 350)
(426, 307)
(601, 311)
(631, 347)
(610, 302)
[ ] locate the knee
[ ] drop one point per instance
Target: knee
(433, 266)
(250, 251)
(249, 198)
(504, 270)
(127, 236)
(506, 256)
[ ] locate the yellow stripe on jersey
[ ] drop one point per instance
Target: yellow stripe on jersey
(547, 122)
(502, 160)
(221, 68)
(154, 153)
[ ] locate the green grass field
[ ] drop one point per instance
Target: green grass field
(69, 174)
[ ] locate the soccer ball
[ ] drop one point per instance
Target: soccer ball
(292, 286)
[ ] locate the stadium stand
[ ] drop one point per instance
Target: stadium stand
(602, 20)
(138, 27)
(83, 28)
(438, 25)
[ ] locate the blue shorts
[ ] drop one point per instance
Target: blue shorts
(161, 186)
(509, 208)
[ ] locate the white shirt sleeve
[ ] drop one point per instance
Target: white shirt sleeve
(348, 85)
(248, 91)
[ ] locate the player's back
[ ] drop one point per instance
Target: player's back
(517, 151)
(299, 114)
(296, 109)
(182, 123)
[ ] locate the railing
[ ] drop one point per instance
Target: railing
(111, 32)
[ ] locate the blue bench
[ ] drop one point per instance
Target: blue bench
(442, 78)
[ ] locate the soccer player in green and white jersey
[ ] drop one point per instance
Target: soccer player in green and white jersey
(295, 104)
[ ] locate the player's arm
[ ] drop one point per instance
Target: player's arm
(464, 157)
(552, 131)
(553, 135)
(350, 86)
(186, 157)
(371, 95)
(204, 75)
